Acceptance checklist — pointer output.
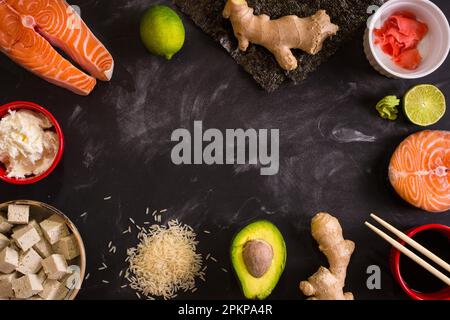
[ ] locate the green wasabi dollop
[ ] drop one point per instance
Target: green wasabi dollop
(387, 107)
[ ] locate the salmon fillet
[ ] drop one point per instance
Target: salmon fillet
(420, 170)
(27, 30)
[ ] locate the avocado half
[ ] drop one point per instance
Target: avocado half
(258, 255)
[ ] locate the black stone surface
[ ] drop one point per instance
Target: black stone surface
(334, 154)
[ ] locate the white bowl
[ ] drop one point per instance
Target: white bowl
(433, 48)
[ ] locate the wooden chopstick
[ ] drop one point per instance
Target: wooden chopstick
(413, 243)
(410, 254)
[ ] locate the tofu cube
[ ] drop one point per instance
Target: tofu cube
(18, 214)
(29, 262)
(41, 275)
(4, 241)
(26, 237)
(6, 290)
(26, 286)
(53, 290)
(55, 266)
(5, 226)
(54, 228)
(44, 248)
(9, 260)
(68, 247)
(13, 245)
(32, 223)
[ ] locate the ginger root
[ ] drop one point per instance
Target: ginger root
(281, 35)
(328, 284)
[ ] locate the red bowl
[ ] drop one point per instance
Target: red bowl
(443, 294)
(16, 105)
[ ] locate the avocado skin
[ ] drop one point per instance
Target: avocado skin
(259, 288)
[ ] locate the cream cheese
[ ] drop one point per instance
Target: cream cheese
(27, 145)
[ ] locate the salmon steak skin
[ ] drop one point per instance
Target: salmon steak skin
(30, 28)
(419, 170)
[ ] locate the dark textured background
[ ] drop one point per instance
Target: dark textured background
(334, 154)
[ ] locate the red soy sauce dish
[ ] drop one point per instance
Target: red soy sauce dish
(415, 281)
(31, 143)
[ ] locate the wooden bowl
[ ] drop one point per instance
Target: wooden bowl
(41, 211)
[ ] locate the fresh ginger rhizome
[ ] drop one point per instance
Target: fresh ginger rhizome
(235, 146)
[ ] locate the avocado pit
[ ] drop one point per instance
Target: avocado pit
(258, 256)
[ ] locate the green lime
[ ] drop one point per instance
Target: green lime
(424, 104)
(162, 31)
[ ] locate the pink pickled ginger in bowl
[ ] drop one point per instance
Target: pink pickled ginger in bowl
(415, 60)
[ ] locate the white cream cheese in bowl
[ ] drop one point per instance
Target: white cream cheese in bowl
(28, 145)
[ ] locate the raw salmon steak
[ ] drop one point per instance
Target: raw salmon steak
(29, 27)
(420, 170)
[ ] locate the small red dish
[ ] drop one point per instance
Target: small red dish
(443, 294)
(16, 105)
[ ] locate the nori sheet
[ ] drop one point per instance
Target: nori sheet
(349, 15)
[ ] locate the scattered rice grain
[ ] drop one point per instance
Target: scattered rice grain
(173, 246)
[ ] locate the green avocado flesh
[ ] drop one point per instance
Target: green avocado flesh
(266, 232)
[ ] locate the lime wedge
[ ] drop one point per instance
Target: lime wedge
(424, 104)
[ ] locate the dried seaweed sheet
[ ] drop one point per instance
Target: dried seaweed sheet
(349, 15)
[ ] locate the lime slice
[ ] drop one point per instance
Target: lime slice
(424, 104)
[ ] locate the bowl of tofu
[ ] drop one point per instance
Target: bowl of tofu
(42, 255)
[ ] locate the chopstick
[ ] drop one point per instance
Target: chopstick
(413, 243)
(410, 254)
